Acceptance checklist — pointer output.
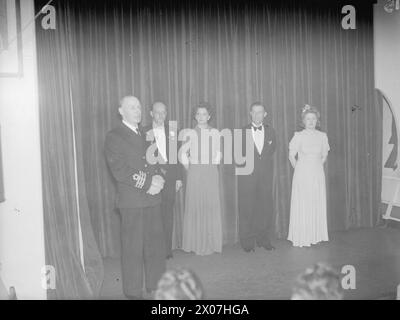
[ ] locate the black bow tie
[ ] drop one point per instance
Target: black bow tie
(257, 128)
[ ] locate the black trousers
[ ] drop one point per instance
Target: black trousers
(143, 249)
(256, 208)
(168, 195)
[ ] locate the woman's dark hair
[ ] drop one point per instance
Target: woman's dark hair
(203, 105)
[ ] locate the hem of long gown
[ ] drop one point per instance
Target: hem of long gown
(201, 253)
(308, 244)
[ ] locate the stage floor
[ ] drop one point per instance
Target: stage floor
(234, 274)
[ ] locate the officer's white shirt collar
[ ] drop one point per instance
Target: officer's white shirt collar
(134, 129)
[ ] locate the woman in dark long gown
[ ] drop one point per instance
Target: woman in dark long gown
(202, 224)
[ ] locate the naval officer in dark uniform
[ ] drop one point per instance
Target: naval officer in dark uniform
(138, 200)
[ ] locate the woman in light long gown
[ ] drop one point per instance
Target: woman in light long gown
(308, 220)
(202, 222)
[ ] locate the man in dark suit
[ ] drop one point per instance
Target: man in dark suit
(138, 200)
(255, 190)
(161, 134)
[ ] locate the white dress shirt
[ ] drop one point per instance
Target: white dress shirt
(258, 137)
(134, 129)
(161, 141)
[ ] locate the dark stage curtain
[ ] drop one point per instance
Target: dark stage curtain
(70, 245)
(230, 53)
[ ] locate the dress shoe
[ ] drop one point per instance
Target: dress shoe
(268, 247)
(265, 245)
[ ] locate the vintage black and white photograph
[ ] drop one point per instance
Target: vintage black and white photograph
(223, 150)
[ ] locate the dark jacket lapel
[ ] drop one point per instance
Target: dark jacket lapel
(129, 135)
(265, 138)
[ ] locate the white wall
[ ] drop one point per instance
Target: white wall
(21, 215)
(387, 54)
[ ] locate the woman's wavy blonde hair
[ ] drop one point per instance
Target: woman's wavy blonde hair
(309, 109)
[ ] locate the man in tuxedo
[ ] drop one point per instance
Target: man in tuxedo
(255, 191)
(160, 133)
(138, 200)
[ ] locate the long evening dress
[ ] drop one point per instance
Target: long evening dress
(308, 221)
(202, 224)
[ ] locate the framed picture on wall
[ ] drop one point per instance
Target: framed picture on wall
(11, 63)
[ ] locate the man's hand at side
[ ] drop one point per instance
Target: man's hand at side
(157, 183)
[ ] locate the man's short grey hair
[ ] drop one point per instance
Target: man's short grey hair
(158, 102)
(257, 103)
(121, 101)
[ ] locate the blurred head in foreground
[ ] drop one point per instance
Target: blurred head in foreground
(179, 284)
(319, 282)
